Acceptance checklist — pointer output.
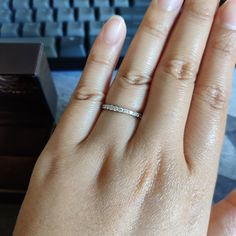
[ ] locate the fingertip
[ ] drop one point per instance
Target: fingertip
(114, 30)
(228, 14)
(119, 18)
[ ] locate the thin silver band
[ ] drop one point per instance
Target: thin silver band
(123, 110)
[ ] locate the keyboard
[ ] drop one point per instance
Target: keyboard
(67, 28)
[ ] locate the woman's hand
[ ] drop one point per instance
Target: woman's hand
(106, 173)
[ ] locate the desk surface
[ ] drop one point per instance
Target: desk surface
(66, 82)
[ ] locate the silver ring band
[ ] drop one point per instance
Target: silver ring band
(123, 110)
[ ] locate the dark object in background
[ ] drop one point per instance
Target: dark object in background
(27, 106)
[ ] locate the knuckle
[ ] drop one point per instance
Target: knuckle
(152, 28)
(225, 44)
(89, 94)
(180, 69)
(200, 10)
(95, 59)
(133, 79)
(214, 96)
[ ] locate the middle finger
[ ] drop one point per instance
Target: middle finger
(131, 85)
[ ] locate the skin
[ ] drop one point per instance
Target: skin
(223, 217)
(104, 173)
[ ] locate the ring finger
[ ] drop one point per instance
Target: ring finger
(172, 88)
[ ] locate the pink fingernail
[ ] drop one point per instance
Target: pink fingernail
(112, 30)
(170, 5)
(228, 16)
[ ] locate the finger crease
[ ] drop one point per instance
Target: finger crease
(225, 44)
(212, 95)
(157, 32)
(200, 11)
(134, 79)
(180, 69)
(94, 59)
(85, 93)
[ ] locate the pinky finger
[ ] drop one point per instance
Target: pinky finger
(207, 118)
(85, 104)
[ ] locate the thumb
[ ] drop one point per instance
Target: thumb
(223, 217)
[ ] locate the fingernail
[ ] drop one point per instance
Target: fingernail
(170, 5)
(228, 16)
(112, 30)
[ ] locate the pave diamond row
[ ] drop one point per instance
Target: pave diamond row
(119, 109)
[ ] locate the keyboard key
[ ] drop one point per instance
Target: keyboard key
(10, 30)
(94, 29)
(105, 13)
(91, 41)
(61, 3)
(141, 3)
(101, 3)
(41, 3)
(44, 15)
(65, 15)
(132, 27)
(81, 3)
(20, 4)
(75, 29)
(4, 4)
(134, 13)
(23, 15)
(5, 16)
(53, 29)
(49, 44)
(86, 14)
(31, 30)
(121, 3)
(72, 47)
